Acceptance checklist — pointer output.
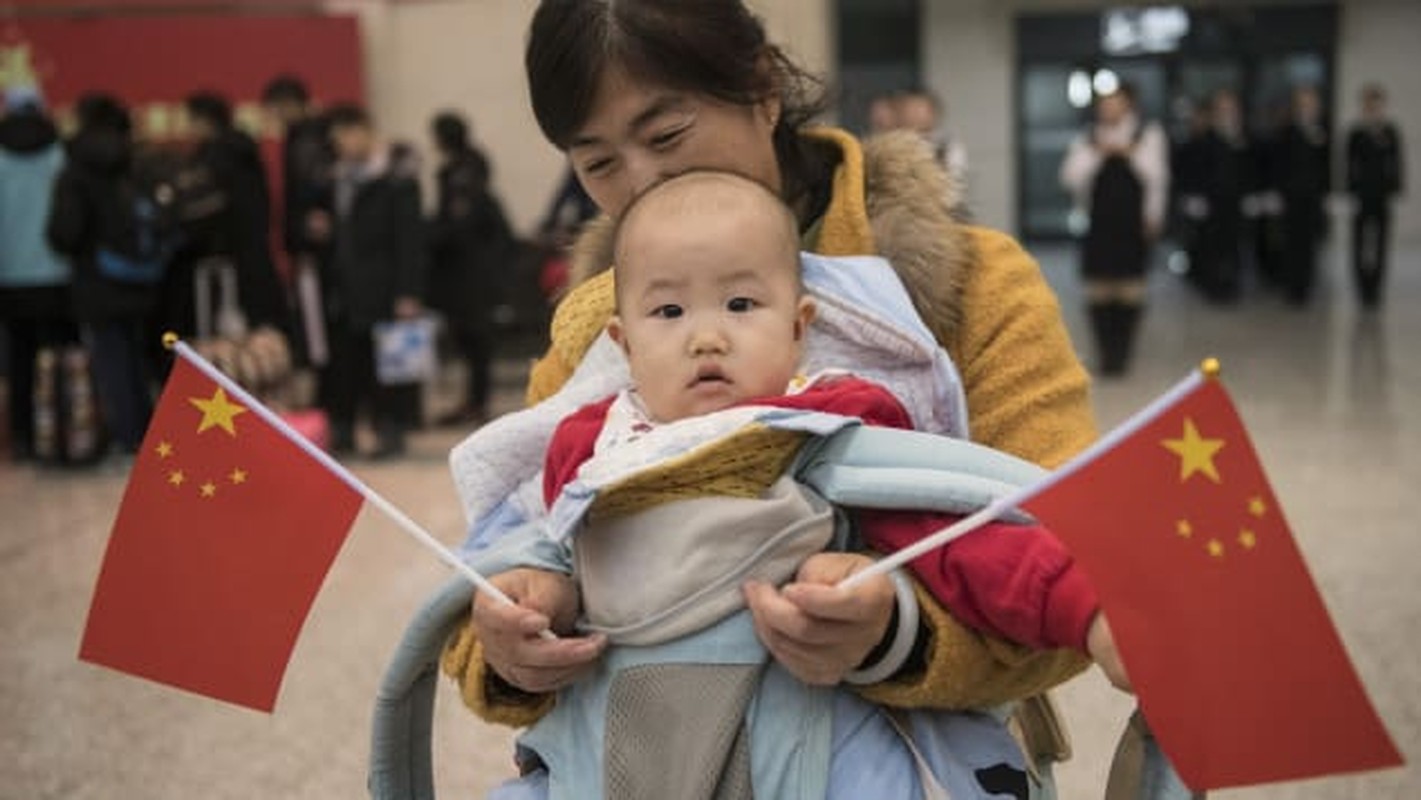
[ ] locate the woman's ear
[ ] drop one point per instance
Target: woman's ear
(803, 317)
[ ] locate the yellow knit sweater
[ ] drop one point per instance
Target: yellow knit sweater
(987, 303)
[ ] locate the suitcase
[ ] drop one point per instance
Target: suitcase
(68, 427)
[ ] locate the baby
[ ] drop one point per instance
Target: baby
(674, 493)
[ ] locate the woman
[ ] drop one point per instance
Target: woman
(638, 90)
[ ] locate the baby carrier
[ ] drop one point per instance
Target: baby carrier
(865, 318)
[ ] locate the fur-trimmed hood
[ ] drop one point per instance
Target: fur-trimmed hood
(914, 220)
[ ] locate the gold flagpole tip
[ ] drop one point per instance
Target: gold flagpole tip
(1211, 367)
(170, 340)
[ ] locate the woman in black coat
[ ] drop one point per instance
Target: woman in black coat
(470, 243)
(93, 211)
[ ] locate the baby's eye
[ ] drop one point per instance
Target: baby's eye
(668, 311)
(740, 305)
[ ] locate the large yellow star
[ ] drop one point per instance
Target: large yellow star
(217, 412)
(1196, 454)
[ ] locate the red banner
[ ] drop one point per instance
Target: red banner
(152, 63)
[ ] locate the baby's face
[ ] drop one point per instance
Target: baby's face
(711, 312)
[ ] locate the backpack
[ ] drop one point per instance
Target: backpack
(159, 203)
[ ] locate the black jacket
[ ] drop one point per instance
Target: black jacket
(470, 242)
(380, 252)
(1374, 167)
(89, 208)
(243, 228)
(306, 172)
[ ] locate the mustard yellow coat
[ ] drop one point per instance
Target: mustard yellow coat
(984, 299)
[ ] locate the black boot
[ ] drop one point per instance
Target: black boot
(1104, 323)
(1125, 321)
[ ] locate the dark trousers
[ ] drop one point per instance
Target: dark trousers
(348, 385)
(27, 335)
(1303, 223)
(476, 346)
(1371, 228)
(121, 379)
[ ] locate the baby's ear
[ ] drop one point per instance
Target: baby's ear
(804, 316)
(615, 330)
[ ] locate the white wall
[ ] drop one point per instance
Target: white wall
(969, 60)
(468, 55)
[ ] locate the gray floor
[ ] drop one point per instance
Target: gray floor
(1330, 395)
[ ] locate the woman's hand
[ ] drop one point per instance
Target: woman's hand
(817, 631)
(1100, 642)
(510, 633)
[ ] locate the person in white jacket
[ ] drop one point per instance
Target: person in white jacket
(1118, 172)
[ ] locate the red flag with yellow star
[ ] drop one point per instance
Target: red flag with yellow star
(1237, 665)
(225, 534)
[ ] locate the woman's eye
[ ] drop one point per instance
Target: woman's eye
(668, 138)
(741, 304)
(597, 166)
(668, 311)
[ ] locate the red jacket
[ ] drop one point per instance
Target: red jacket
(1016, 582)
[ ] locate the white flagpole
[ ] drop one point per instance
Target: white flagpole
(399, 517)
(1007, 502)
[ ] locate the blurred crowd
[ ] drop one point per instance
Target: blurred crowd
(107, 242)
(1243, 207)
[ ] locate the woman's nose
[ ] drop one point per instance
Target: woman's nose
(643, 172)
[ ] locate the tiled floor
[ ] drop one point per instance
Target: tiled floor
(1333, 398)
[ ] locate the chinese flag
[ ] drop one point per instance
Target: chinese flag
(1237, 665)
(226, 531)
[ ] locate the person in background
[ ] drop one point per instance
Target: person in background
(92, 209)
(1119, 171)
(34, 280)
(377, 273)
(882, 114)
(921, 112)
(1301, 177)
(242, 229)
(1216, 192)
(307, 164)
(470, 242)
(1374, 178)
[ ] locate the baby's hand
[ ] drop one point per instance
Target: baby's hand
(1100, 642)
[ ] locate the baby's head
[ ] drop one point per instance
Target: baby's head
(710, 309)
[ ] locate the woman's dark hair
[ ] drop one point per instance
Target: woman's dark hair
(347, 115)
(451, 133)
(713, 47)
(103, 111)
(210, 107)
(286, 87)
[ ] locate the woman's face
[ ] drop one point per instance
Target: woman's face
(639, 134)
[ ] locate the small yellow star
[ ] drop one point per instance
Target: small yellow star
(209, 489)
(1196, 454)
(164, 449)
(238, 476)
(217, 412)
(1216, 548)
(1257, 507)
(1248, 539)
(1184, 529)
(176, 477)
